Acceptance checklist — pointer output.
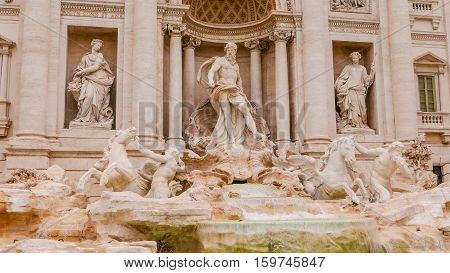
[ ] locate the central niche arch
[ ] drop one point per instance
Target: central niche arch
(225, 12)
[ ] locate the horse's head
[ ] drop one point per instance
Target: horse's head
(342, 147)
(346, 147)
(124, 136)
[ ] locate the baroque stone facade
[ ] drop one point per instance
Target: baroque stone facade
(301, 83)
(279, 51)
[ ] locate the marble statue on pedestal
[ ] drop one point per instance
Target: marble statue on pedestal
(227, 117)
(387, 162)
(351, 91)
(90, 87)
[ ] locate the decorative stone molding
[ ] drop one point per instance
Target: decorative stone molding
(108, 11)
(354, 27)
(174, 29)
(281, 20)
(425, 10)
(9, 11)
(189, 41)
(354, 6)
(434, 37)
(172, 13)
(256, 44)
(283, 35)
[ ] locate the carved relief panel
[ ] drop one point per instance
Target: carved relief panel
(357, 6)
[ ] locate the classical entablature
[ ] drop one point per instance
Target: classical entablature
(96, 10)
(239, 33)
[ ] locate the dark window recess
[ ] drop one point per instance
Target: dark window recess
(437, 170)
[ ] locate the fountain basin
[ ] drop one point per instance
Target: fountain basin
(288, 236)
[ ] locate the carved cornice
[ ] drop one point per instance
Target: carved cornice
(108, 11)
(434, 37)
(9, 11)
(174, 29)
(243, 32)
(172, 13)
(354, 27)
(189, 41)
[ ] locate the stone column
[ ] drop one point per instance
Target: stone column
(4, 62)
(175, 97)
(315, 40)
(402, 69)
(34, 72)
(5, 121)
(189, 76)
(30, 147)
(255, 47)
(145, 90)
(282, 111)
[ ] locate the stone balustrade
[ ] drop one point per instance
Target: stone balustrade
(435, 120)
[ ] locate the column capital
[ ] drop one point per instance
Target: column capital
(5, 51)
(174, 29)
(281, 35)
(256, 44)
(190, 41)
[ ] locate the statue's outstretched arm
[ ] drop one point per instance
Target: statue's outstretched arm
(370, 152)
(154, 156)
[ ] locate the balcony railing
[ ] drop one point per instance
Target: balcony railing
(433, 120)
(418, 7)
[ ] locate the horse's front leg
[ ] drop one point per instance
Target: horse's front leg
(364, 191)
(351, 194)
(104, 179)
(91, 173)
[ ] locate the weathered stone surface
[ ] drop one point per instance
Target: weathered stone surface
(71, 225)
(57, 174)
(52, 246)
(417, 208)
(307, 235)
(126, 216)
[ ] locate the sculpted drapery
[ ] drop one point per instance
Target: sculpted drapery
(233, 119)
(91, 87)
(351, 91)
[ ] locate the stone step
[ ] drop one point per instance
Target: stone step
(253, 190)
(284, 208)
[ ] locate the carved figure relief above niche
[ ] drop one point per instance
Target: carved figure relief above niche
(91, 78)
(358, 6)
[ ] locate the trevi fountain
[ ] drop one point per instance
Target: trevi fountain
(306, 128)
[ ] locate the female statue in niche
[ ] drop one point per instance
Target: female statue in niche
(351, 91)
(91, 87)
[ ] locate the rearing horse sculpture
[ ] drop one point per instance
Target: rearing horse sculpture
(334, 175)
